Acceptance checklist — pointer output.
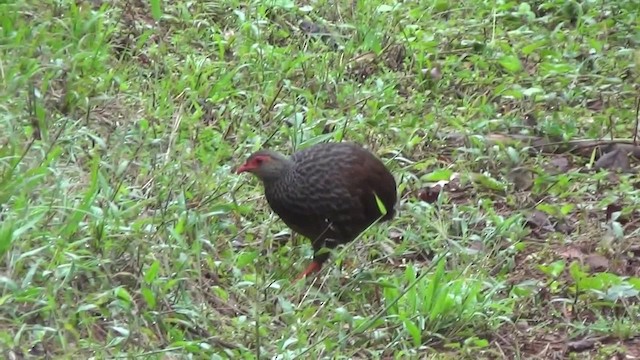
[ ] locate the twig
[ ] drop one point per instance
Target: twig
(174, 132)
(635, 131)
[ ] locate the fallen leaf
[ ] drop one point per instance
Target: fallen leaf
(396, 235)
(613, 160)
(430, 194)
(597, 262)
(558, 165)
(614, 212)
(435, 73)
(539, 220)
(367, 57)
(282, 237)
(583, 344)
(13, 355)
(238, 242)
(595, 104)
(476, 246)
(611, 209)
(522, 325)
(522, 178)
(394, 56)
(454, 183)
(530, 120)
(571, 253)
(309, 27)
(387, 249)
(564, 227)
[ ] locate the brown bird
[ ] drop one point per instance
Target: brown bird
(326, 192)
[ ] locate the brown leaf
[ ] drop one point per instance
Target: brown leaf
(597, 262)
(595, 104)
(320, 31)
(582, 344)
(309, 27)
(454, 184)
(612, 208)
(367, 58)
(435, 73)
(530, 120)
(539, 220)
(563, 226)
(386, 248)
(559, 164)
(396, 235)
(522, 178)
(394, 57)
(13, 355)
(476, 246)
(571, 253)
(430, 194)
(238, 242)
(613, 160)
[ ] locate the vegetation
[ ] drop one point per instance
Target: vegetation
(125, 232)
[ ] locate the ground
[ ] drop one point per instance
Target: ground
(510, 128)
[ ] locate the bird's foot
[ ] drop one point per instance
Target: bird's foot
(313, 267)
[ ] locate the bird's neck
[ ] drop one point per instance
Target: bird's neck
(277, 175)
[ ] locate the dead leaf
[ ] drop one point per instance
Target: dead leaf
(564, 227)
(387, 249)
(309, 27)
(476, 246)
(523, 325)
(313, 29)
(530, 120)
(611, 209)
(522, 178)
(582, 345)
(430, 194)
(366, 58)
(635, 250)
(613, 160)
(238, 243)
(597, 262)
(539, 220)
(571, 252)
(434, 73)
(396, 235)
(14, 355)
(595, 104)
(558, 165)
(394, 57)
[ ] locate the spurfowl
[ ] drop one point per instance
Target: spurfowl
(326, 192)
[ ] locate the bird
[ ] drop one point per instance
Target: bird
(329, 193)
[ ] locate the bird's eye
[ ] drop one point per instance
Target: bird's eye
(259, 161)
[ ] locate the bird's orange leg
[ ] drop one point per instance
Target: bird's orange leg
(313, 267)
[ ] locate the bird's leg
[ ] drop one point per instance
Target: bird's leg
(313, 267)
(316, 265)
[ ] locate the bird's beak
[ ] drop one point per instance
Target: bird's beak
(242, 169)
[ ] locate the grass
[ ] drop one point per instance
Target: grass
(125, 233)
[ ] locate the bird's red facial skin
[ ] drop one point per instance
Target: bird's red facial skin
(252, 164)
(242, 169)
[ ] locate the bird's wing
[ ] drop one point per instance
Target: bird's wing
(318, 209)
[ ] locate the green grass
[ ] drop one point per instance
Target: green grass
(125, 232)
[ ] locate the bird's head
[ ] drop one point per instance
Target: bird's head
(265, 164)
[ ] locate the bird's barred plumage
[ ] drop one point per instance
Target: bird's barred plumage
(327, 192)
